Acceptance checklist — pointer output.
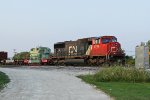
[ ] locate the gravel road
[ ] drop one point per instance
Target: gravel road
(36, 84)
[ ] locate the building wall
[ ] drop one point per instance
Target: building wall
(142, 57)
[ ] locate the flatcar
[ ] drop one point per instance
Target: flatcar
(90, 51)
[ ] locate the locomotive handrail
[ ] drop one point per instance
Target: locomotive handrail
(108, 53)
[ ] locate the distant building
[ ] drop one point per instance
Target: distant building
(142, 56)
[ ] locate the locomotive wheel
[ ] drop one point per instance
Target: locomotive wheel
(89, 62)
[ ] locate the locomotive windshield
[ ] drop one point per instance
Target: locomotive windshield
(114, 39)
(106, 40)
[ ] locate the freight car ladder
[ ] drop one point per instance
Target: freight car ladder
(89, 50)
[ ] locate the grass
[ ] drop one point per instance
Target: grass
(3, 80)
(121, 87)
(122, 74)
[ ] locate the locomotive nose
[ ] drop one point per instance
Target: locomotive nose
(115, 47)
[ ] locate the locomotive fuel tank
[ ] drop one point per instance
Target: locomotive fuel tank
(74, 61)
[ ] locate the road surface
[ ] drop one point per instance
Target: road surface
(36, 84)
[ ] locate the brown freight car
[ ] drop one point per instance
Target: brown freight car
(3, 56)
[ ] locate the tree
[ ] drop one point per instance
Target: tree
(130, 61)
(21, 56)
(148, 43)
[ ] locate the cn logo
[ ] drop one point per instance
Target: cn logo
(72, 49)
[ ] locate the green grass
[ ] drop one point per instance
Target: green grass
(121, 90)
(122, 74)
(122, 83)
(3, 80)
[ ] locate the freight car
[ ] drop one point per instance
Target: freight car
(21, 62)
(3, 56)
(89, 51)
(36, 56)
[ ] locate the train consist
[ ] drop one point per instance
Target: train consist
(85, 51)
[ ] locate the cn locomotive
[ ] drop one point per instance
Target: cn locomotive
(89, 51)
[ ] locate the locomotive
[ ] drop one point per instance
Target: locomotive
(89, 51)
(39, 55)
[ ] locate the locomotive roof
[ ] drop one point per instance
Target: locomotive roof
(59, 43)
(88, 38)
(108, 36)
(95, 37)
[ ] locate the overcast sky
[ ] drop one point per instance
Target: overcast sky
(29, 23)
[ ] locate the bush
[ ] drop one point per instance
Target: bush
(122, 74)
(4, 79)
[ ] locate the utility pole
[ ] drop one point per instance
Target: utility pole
(15, 52)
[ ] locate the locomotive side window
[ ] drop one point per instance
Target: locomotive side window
(97, 41)
(90, 43)
(105, 40)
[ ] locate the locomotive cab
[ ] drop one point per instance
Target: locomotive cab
(106, 49)
(106, 45)
(115, 47)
